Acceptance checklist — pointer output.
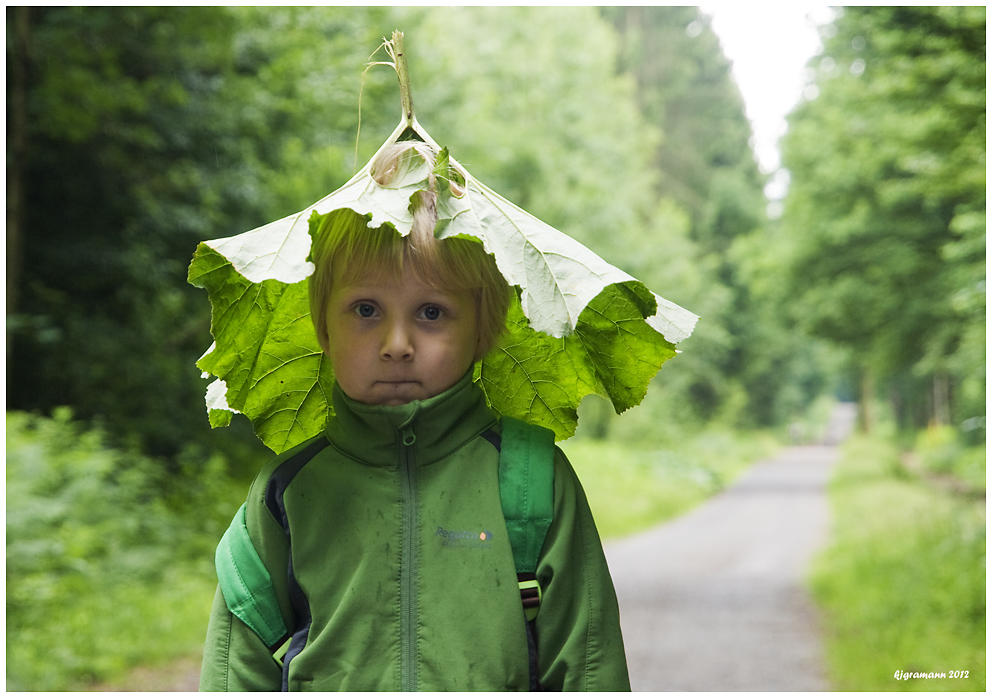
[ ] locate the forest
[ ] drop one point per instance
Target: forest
(135, 133)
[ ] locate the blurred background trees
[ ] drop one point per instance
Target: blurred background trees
(135, 133)
(741, 365)
(149, 129)
(885, 217)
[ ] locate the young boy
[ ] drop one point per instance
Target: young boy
(397, 573)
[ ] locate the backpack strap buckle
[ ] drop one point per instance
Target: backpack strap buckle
(278, 654)
(530, 595)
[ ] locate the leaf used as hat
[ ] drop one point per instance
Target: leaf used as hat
(577, 324)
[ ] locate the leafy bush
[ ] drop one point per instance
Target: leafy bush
(108, 553)
(941, 451)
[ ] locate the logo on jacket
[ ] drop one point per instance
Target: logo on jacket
(464, 539)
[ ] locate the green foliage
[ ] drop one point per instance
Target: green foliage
(269, 358)
(613, 352)
(685, 88)
(885, 212)
(305, 67)
(903, 581)
(138, 147)
(107, 554)
(528, 99)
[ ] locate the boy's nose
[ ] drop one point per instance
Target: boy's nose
(396, 345)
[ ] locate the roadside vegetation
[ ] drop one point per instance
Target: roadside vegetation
(647, 484)
(109, 555)
(902, 583)
(642, 475)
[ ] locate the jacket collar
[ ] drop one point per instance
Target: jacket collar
(438, 426)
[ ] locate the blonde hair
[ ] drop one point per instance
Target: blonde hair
(346, 249)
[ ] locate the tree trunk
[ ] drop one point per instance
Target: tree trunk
(941, 406)
(18, 150)
(866, 410)
(898, 402)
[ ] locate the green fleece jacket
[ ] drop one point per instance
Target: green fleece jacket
(400, 574)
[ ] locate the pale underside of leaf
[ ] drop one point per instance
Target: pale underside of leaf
(217, 397)
(278, 250)
(674, 322)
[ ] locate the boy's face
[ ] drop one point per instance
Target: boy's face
(391, 343)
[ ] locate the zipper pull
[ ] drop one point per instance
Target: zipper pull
(409, 438)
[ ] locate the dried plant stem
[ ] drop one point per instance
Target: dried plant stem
(402, 72)
(394, 47)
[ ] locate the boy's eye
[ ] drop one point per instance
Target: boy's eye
(365, 309)
(431, 312)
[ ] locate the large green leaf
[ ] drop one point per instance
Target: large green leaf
(267, 358)
(613, 352)
(578, 325)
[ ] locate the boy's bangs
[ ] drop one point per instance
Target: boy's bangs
(448, 264)
(374, 256)
(382, 255)
(455, 263)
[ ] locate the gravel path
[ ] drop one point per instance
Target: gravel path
(715, 599)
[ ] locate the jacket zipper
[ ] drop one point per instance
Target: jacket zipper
(408, 564)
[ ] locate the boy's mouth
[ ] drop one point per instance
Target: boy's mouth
(398, 384)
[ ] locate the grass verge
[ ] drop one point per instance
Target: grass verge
(101, 634)
(902, 584)
(633, 486)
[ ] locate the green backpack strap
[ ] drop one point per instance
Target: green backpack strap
(247, 586)
(526, 492)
